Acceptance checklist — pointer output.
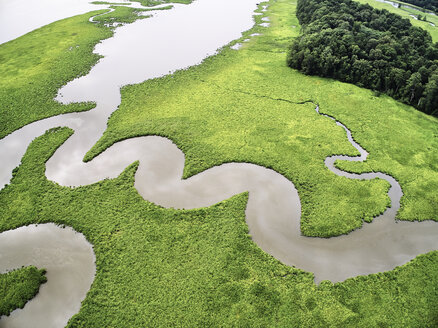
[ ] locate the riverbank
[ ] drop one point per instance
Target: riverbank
(36, 65)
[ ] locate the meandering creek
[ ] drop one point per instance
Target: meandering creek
(273, 210)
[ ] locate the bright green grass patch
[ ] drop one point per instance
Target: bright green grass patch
(121, 15)
(34, 66)
(242, 106)
(19, 286)
(406, 12)
(161, 267)
(412, 6)
(236, 107)
(403, 143)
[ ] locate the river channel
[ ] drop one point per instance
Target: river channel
(273, 210)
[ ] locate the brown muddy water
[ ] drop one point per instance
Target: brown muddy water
(273, 210)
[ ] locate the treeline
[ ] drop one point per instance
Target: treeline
(431, 5)
(371, 48)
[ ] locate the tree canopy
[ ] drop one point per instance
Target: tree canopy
(426, 4)
(371, 48)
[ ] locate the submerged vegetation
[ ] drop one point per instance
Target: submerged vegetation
(19, 286)
(148, 3)
(165, 267)
(368, 47)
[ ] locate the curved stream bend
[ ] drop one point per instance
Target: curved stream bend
(273, 210)
(69, 261)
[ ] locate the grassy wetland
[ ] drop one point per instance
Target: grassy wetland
(247, 106)
(166, 267)
(34, 66)
(19, 286)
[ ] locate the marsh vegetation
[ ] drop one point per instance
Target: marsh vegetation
(166, 267)
(19, 286)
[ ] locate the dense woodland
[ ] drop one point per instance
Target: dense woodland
(431, 5)
(371, 48)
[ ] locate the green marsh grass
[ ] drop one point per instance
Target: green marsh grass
(34, 66)
(19, 286)
(247, 106)
(37, 64)
(125, 15)
(164, 267)
(159, 267)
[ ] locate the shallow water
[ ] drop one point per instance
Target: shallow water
(236, 46)
(273, 210)
(32, 14)
(199, 34)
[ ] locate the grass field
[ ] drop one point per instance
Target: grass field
(165, 267)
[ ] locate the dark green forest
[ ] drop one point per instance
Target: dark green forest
(371, 48)
(426, 4)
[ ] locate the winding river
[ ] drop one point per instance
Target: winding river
(273, 210)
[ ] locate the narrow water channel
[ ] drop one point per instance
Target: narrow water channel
(273, 211)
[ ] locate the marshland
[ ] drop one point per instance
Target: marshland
(200, 180)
